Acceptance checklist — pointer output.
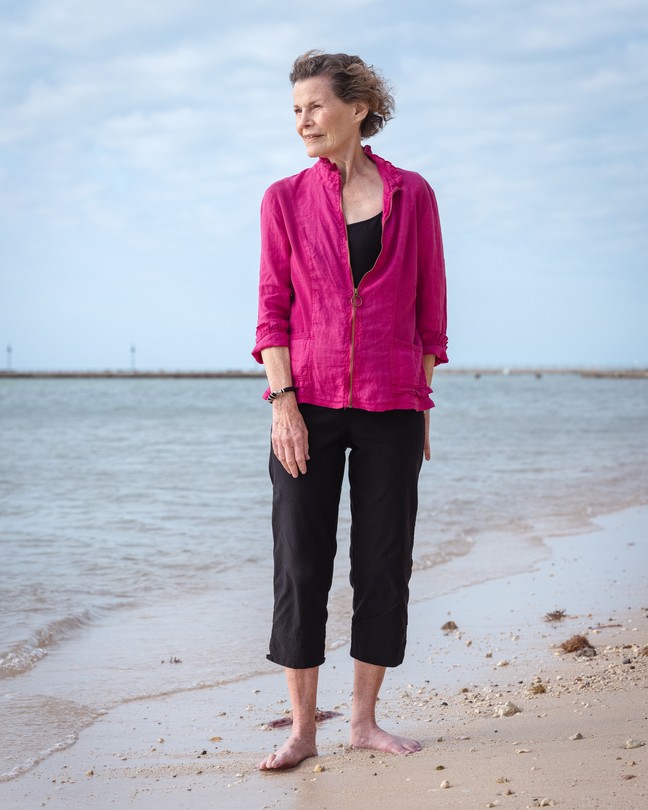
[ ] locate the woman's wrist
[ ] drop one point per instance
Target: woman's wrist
(279, 393)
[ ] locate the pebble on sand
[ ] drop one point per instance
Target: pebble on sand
(507, 709)
(445, 784)
(577, 736)
(634, 744)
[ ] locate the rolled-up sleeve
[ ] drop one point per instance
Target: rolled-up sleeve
(275, 287)
(431, 297)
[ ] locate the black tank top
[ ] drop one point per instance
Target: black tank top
(365, 241)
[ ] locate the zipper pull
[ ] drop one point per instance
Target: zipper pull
(356, 300)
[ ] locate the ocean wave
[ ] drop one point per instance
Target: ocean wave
(443, 553)
(31, 762)
(24, 655)
(55, 725)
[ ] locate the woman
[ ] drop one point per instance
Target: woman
(352, 321)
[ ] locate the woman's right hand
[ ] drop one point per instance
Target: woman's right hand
(289, 435)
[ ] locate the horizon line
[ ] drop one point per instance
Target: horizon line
(587, 371)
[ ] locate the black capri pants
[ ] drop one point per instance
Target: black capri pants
(386, 453)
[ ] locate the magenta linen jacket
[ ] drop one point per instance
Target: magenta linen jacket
(352, 348)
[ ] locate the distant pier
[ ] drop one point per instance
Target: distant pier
(162, 374)
(130, 375)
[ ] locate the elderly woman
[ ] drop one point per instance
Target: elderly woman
(352, 321)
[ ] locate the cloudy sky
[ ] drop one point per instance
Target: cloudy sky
(137, 137)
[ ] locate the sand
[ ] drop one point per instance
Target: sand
(565, 747)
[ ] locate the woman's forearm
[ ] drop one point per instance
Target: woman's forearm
(429, 361)
(276, 360)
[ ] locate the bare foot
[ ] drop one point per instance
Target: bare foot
(291, 753)
(371, 736)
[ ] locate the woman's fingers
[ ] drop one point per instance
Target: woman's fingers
(292, 460)
(290, 442)
(295, 456)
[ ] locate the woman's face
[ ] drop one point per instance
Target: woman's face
(328, 126)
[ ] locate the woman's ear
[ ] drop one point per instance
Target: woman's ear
(361, 110)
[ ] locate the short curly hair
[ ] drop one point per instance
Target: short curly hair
(351, 80)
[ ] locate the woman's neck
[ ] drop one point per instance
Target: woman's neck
(353, 164)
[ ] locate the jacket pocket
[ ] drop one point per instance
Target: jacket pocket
(407, 367)
(301, 356)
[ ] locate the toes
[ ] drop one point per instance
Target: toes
(410, 746)
(389, 743)
(268, 763)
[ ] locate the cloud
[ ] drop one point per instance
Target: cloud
(76, 26)
(521, 137)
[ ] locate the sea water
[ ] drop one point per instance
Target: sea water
(135, 525)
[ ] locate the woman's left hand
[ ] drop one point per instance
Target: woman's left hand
(426, 446)
(429, 361)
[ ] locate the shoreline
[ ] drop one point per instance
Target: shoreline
(449, 687)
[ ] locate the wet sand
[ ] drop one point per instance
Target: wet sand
(565, 747)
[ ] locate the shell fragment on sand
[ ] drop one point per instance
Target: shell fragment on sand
(507, 709)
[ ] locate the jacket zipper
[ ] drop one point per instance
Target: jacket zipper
(356, 302)
(356, 299)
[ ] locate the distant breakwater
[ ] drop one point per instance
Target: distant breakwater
(219, 375)
(130, 375)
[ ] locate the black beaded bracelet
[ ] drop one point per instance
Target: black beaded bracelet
(274, 394)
